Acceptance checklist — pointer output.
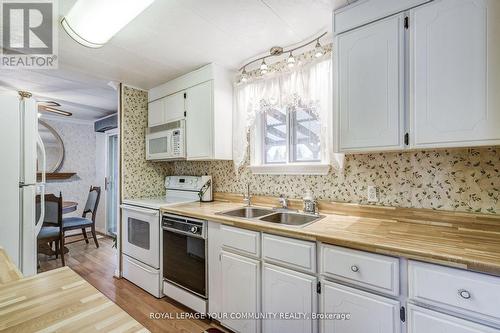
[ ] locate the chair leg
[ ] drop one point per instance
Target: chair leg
(62, 251)
(85, 235)
(57, 248)
(95, 237)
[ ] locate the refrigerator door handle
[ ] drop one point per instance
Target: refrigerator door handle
(44, 157)
(42, 184)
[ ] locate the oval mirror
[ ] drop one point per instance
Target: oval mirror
(54, 147)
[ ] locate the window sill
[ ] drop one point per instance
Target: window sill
(290, 169)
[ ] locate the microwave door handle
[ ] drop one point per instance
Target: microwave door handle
(171, 144)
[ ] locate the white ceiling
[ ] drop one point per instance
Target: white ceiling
(173, 37)
(168, 39)
(85, 96)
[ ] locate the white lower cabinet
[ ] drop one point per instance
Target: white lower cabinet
(422, 320)
(369, 313)
(240, 291)
(288, 292)
(249, 274)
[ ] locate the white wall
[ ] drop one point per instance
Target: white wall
(80, 146)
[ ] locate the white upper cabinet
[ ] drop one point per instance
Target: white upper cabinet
(449, 75)
(174, 107)
(199, 121)
(156, 113)
(426, 77)
(204, 98)
(370, 86)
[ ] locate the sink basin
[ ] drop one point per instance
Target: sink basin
(291, 218)
(247, 212)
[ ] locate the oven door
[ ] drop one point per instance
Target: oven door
(184, 261)
(141, 234)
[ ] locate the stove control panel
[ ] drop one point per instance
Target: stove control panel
(187, 183)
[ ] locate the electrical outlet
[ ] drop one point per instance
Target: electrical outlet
(372, 193)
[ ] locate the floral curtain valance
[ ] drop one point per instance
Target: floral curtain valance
(308, 85)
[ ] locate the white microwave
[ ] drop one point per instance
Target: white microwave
(166, 142)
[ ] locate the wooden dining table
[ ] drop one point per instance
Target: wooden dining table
(69, 206)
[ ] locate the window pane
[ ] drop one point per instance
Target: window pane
(305, 136)
(275, 136)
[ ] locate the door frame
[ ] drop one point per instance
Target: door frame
(108, 134)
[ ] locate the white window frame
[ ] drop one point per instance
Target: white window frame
(257, 159)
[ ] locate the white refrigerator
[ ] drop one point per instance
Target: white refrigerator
(21, 152)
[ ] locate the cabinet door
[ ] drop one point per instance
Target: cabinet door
(286, 291)
(199, 121)
(422, 320)
(156, 113)
(449, 73)
(240, 291)
(370, 86)
(174, 107)
(368, 313)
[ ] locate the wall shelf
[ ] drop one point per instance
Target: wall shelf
(56, 175)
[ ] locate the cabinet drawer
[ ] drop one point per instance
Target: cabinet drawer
(290, 252)
(372, 271)
(242, 240)
(469, 293)
(422, 320)
(142, 275)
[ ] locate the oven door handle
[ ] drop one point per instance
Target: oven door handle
(176, 231)
(141, 210)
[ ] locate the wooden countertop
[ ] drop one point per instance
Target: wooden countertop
(60, 300)
(427, 236)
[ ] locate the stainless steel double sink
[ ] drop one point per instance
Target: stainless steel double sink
(286, 217)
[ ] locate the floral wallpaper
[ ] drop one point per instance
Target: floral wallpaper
(451, 179)
(140, 178)
(446, 179)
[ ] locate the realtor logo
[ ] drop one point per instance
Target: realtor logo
(29, 34)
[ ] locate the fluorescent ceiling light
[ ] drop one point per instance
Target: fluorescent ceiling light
(93, 23)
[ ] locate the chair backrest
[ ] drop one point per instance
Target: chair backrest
(53, 209)
(92, 202)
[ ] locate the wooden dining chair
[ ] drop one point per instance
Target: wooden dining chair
(75, 222)
(52, 228)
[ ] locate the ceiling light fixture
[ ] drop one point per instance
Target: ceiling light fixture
(290, 61)
(263, 67)
(56, 111)
(278, 51)
(318, 50)
(93, 23)
(244, 75)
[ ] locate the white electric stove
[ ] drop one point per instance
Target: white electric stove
(141, 236)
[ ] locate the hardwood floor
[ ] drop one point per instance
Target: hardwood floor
(97, 267)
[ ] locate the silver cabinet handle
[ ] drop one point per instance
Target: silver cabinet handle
(354, 268)
(464, 294)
